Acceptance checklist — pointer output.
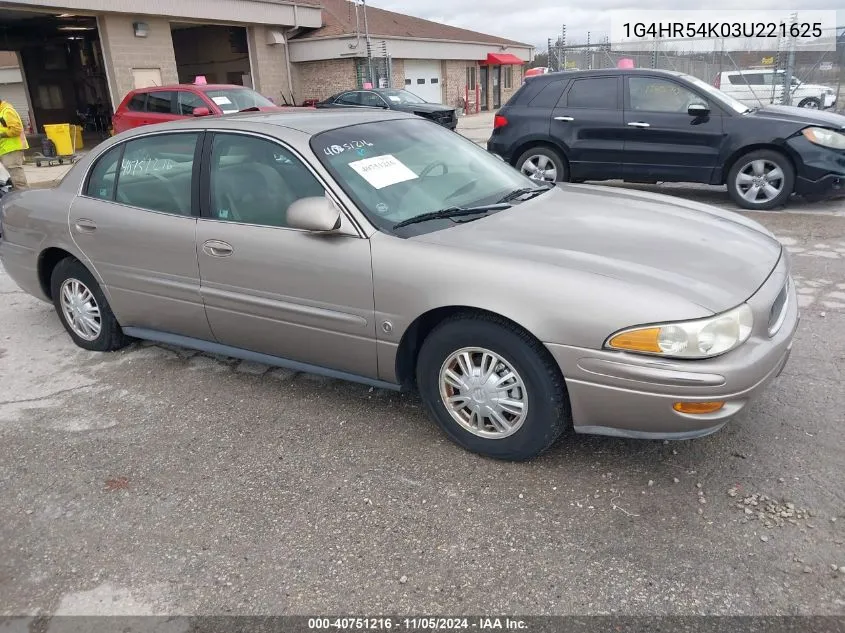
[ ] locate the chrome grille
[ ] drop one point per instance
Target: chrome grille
(778, 312)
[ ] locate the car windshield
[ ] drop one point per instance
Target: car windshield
(237, 99)
(401, 96)
(400, 169)
(718, 95)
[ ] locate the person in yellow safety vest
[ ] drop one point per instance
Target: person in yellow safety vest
(12, 144)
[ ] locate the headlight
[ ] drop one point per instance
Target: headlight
(702, 338)
(824, 137)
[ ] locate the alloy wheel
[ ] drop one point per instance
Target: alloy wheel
(483, 393)
(540, 167)
(80, 309)
(760, 181)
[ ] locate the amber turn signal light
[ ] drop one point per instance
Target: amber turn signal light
(642, 340)
(698, 407)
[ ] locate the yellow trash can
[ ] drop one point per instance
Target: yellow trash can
(63, 136)
(79, 145)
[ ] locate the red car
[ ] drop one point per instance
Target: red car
(158, 104)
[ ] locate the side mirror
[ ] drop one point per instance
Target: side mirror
(698, 109)
(201, 112)
(318, 215)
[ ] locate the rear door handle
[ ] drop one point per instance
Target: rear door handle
(638, 124)
(85, 226)
(564, 118)
(217, 248)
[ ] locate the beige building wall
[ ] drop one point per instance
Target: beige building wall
(269, 66)
(320, 80)
(455, 82)
(126, 53)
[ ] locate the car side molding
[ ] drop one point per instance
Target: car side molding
(257, 357)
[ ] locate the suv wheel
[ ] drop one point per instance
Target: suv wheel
(83, 309)
(760, 180)
(492, 388)
(543, 163)
(811, 102)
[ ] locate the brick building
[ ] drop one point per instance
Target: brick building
(438, 62)
(78, 56)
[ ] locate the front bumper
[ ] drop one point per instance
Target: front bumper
(629, 395)
(821, 172)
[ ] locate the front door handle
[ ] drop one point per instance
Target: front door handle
(85, 226)
(216, 248)
(564, 118)
(638, 124)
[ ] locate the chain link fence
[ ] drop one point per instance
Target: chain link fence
(376, 69)
(763, 73)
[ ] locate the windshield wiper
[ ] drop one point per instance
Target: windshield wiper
(516, 193)
(452, 212)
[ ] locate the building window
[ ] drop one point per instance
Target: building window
(471, 81)
(507, 71)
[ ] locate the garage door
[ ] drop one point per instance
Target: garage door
(422, 77)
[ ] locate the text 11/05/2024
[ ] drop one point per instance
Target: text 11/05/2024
(417, 624)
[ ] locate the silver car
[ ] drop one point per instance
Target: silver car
(381, 248)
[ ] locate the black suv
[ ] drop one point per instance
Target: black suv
(658, 126)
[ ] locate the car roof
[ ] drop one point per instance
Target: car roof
(200, 87)
(304, 120)
(604, 72)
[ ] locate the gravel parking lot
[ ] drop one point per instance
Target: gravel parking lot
(157, 480)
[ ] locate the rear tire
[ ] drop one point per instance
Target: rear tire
(543, 163)
(811, 103)
(511, 404)
(83, 309)
(760, 180)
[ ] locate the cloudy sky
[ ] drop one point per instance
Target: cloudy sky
(536, 21)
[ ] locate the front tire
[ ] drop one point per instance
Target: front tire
(811, 103)
(543, 163)
(760, 180)
(492, 388)
(83, 309)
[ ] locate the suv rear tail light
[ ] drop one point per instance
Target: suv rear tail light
(499, 121)
(718, 81)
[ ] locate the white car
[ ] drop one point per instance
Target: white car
(762, 87)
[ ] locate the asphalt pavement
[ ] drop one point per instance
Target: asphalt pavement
(156, 480)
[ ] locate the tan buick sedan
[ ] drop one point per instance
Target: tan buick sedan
(381, 248)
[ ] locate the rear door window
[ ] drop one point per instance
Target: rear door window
(548, 96)
(102, 179)
(599, 93)
(157, 173)
(372, 100)
(160, 102)
(137, 103)
(350, 98)
(748, 79)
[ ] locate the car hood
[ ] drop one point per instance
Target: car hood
(815, 88)
(801, 116)
(712, 258)
(421, 107)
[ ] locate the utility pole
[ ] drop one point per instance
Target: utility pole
(551, 60)
(790, 63)
(369, 45)
(562, 49)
